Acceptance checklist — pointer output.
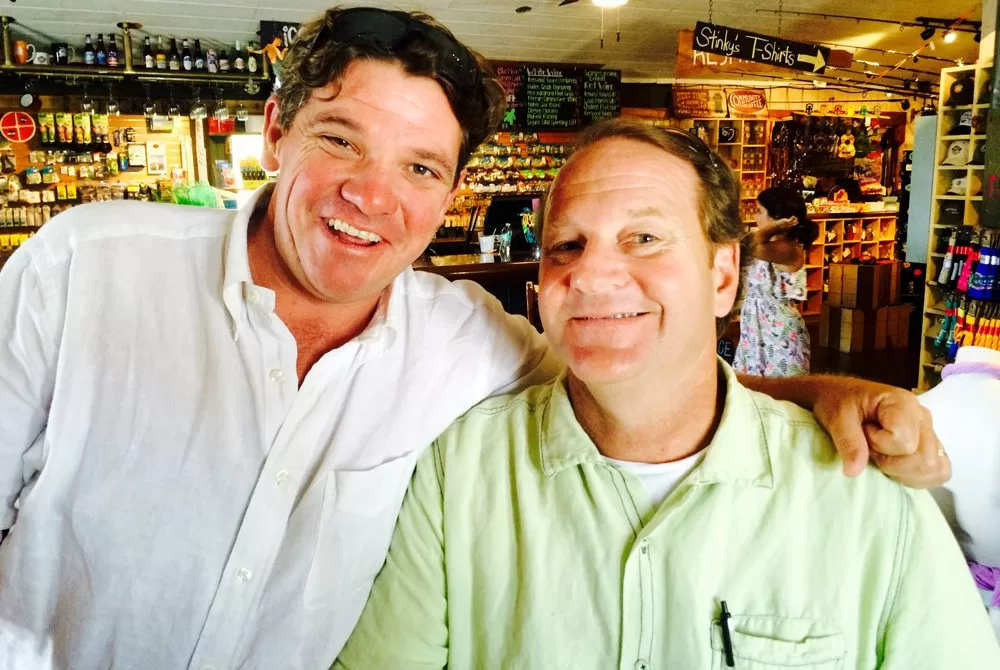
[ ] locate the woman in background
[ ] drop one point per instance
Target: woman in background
(774, 341)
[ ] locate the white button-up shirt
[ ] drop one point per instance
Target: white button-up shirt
(176, 499)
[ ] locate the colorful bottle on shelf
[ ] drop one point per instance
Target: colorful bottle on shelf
(89, 55)
(239, 61)
(101, 55)
(199, 57)
(113, 56)
(148, 60)
(161, 54)
(174, 59)
(187, 60)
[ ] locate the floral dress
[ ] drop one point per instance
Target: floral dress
(774, 341)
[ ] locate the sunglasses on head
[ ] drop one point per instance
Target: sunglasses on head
(390, 28)
(694, 143)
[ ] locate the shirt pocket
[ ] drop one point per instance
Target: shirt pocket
(356, 523)
(762, 642)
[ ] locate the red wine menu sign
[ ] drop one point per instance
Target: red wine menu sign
(555, 97)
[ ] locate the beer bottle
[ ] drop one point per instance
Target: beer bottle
(161, 54)
(223, 61)
(199, 57)
(251, 59)
(102, 53)
(186, 60)
(112, 53)
(89, 56)
(148, 61)
(239, 62)
(174, 60)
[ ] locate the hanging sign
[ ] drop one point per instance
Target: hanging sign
(695, 63)
(747, 102)
(696, 103)
(736, 43)
(17, 126)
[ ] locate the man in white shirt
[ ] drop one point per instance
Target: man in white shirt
(963, 407)
(210, 418)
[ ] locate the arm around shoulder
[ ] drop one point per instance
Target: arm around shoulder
(935, 617)
(404, 625)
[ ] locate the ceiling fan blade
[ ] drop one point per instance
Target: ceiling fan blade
(567, 2)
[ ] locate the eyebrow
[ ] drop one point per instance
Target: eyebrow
(336, 119)
(644, 213)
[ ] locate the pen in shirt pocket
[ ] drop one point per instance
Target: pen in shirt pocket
(727, 639)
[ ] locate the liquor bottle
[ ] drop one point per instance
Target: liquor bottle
(187, 62)
(112, 53)
(223, 61)
(251, 59)
(161, 54)
(211, 62)
(199, 57)
(239, 62)
(102, 53)
(148, 60)
(89, 56)
(174, 60)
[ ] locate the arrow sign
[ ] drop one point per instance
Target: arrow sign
(765, 49)
(818, 62)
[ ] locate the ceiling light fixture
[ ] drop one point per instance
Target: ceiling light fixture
(609, 3)
(949, 37)
(927, 33)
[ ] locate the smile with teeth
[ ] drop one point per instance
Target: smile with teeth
(620, 315)
(348, 229)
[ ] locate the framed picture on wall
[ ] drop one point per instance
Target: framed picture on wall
(137, 155)
(156, 157)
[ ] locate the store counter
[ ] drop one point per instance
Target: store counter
(506, 281)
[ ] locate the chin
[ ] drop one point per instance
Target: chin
(605, 366)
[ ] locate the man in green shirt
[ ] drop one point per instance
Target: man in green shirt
(645, 510)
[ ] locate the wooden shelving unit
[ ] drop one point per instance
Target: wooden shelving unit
(743, 143)
(931, 359)
(843, 238)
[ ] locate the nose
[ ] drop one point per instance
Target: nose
(370, 189)
(599, 269)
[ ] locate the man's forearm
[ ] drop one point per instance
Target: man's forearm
(803, 390)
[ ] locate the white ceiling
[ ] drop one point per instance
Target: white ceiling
(547, 33)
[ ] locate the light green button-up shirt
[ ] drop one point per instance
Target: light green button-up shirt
(519, 546)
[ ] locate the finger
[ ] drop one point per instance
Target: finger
(849, 439)
(886, 442)
(928, 467)
(896, 434)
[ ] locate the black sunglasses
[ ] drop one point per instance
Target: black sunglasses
(694, 143)
(390, 28)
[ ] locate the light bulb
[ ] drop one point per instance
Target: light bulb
(949, 37)
(609, 3)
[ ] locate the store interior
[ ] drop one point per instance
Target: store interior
(882, 130)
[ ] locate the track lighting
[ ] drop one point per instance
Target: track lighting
(927, 33)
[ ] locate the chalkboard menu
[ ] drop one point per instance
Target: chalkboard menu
(553, 97)
(601, 95)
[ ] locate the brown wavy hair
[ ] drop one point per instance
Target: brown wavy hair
(476, 97)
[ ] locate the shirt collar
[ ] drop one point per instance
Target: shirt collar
(738, 453)
(381, 331)
(236, 273)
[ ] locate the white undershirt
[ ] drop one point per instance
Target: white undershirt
(659, 479)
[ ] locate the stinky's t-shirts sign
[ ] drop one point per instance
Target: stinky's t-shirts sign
(554, 97)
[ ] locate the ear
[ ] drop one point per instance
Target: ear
(726, 277)
(454, 191)
(272, 135)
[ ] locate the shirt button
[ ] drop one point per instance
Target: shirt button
(276, 375)
(244, 575)
(253, 297)
(642, 664)
(281, 476)
(644, 548)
